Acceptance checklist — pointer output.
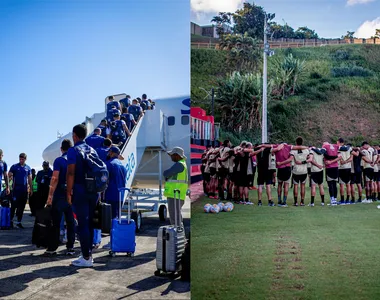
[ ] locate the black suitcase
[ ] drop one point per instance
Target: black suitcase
(43, 225)
(103, 217)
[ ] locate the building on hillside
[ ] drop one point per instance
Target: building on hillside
(195, 29)
(208, 30)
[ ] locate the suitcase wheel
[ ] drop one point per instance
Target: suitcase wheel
(130, 254)
(113, 254)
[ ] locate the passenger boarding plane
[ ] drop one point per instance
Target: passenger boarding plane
(159, 130)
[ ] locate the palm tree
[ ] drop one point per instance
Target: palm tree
(238, 98)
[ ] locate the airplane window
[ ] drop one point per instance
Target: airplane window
(171, 121)
(185, 120)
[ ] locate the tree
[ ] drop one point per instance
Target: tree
(305, 33)
(222, 21)
(377, 34)
(250, 20)
(244, 51)
(349, 35)
(287, 72)
(238, 99)
(281, 31)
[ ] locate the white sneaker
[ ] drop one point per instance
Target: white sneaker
(81, 262)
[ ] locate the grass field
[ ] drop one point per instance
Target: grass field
(286, 253)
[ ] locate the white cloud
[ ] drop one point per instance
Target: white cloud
(368, 28)
(353, 2)
(215, 6)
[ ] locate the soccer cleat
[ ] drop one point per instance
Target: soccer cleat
(260, 203)
(249, 203)
(284, 205)
(295, 204)
(302, 204)
(311, 204)
(341, 202)
(322, 203)
(348, 202)
(352, 202)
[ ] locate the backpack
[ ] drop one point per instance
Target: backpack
(96, 174)
(118, 131)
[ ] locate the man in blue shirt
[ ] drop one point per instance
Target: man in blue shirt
(3, 172)
(119, 131)
(103, 128)
(135, 110)
(57, 199)
(95, 140)
(113, 102)
(126, 102)
(110, 113)
(83, 202)
(43, 183)
(117, 179)
(145, 105)
(128, 119)
(22, 177)
(103, 150)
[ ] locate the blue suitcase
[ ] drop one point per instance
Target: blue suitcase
(123, 236)
(5, 218)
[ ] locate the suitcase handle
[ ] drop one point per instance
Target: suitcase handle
(129, 203)
(176, 217)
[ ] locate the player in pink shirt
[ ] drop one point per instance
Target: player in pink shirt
(284, 170)
(331, 164)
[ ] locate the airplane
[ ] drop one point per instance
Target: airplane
(159, 130)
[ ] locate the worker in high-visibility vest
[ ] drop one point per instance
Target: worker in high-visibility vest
(176, 179)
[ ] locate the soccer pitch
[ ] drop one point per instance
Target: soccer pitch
(285, 252)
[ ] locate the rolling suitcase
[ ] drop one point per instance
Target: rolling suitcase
(42, 230)
(170, 245)
(103, 217)
(5, 222)
(123, 236)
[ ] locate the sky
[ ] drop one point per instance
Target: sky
(329, 18)
(60, 59)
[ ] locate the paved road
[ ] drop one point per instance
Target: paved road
(26, 274)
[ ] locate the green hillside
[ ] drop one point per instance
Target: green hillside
(338, 94)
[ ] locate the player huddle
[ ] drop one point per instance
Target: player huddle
(229, 172)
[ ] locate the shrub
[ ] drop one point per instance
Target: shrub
(350, 71)
(341, 55)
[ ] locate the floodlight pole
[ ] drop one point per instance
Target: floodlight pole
(264, 130)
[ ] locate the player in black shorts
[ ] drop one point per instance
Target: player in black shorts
(356, 174)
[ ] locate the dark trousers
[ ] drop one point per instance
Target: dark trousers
(59, 207)
(84, 205)
(18, 204)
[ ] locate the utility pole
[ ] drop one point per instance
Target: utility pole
(267, 52)
(212, 102)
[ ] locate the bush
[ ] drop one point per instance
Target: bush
(341, 55)
(350, 71)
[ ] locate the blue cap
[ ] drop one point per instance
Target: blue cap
(115, 149)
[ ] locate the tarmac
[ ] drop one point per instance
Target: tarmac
(26, 274)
